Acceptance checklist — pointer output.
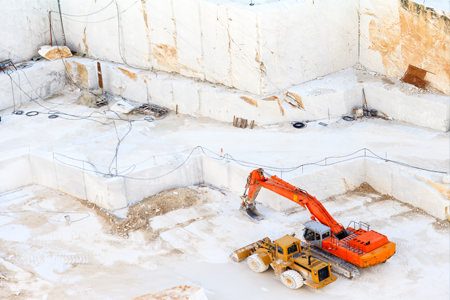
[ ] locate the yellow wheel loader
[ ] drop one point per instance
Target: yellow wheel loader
(292, 263)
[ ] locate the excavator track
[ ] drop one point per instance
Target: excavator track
(338, 265)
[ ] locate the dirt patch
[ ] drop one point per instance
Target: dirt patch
(365, 188)
(297, 98)
(86, 47)
(129, 74)
(83, 75)
(12, 276)
(387, 80)
(271, 98)
(250, 101)
(32, 220)
(413, 211)
(139, 215)
(166, 56)
(182, 292)
(441, 225)
(147, 29)
(281, 107)
(87, 98)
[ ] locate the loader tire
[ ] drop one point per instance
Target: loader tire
(292, 279)
(256, 264)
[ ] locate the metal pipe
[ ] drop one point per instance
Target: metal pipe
(50, 22)
(100, 77)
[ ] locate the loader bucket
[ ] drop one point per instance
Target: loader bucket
(244, 252)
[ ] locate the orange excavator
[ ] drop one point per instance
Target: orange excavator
(329, 240)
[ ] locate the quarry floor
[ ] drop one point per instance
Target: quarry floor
(45, 257)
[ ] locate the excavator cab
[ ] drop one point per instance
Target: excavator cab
(316, 232)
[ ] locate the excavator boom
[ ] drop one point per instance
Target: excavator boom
(256, 180)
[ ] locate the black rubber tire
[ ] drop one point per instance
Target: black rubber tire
(18, 112)
(32, 113)
(348, 118)
(53, 116)
(298, 125)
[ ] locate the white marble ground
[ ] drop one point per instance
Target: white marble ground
(43, 257)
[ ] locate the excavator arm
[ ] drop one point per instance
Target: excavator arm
(256, 180)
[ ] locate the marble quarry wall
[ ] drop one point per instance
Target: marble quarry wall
(396, 34)
(260, 49)
(24, 27)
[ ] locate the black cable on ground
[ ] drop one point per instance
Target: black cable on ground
(215, 156)
(89, 117)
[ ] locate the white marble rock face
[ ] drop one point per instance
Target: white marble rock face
(260, 49)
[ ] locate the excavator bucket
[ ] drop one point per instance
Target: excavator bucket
(252, 212)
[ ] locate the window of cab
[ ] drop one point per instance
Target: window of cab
(292, 249)
(309, 235)
(280, 250)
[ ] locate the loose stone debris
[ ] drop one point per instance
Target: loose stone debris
(139, 214)
(55, 52)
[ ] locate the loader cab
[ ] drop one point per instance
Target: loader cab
(316, 232)
(286, 247)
